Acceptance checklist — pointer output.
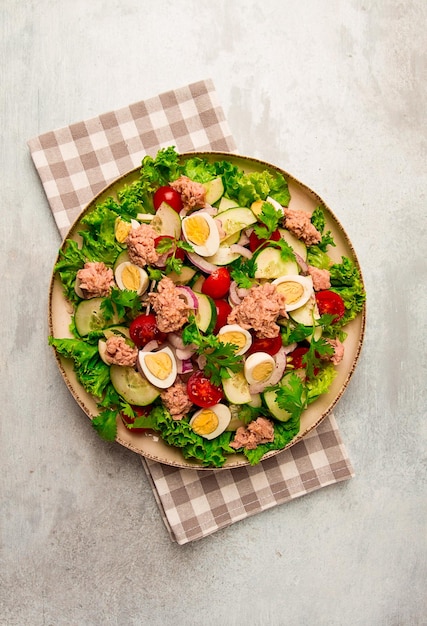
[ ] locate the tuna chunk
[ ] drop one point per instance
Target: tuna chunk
(192, 193)
(141, 245)
(338, 354)
(118, 352)
(251, 436)
(95, 280)
(176, 400)
(259, 310)
(321, 278)
(172, 310)
(298, 222)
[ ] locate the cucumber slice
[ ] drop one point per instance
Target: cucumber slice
(235, 220)
(236, 389)
(226, 203)
(132, 386)
(230, 240)
(296, 244)
(308, 314)
(223, 256)
(270, 264)
(167, 221)
(122, 258)
(196, 284)
(214, 190)
(88, 317)
(206, 313)
(184, 277)
(270, 402)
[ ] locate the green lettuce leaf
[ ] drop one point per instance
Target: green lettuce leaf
(347, 282)
(91, 371)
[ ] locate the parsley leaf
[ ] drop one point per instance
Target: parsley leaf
(291, 395)
(242, 271)
(221, 358)
(286, 251)
(270, 218)
(118, 302)
(319, 222)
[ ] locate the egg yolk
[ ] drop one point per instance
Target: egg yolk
(291, 290)
(122, 230)
(262, 371)
(159, 364)
(131, 277)
(234, 337)
(205, 423)
(197, 229)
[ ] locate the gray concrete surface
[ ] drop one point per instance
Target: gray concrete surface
(334, 92)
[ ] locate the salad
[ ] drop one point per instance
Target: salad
(205, 309)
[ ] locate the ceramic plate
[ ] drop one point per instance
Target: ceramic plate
(152, 447)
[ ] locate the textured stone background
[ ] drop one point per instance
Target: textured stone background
(335, 92)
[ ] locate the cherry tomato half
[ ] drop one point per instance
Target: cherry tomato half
(296, 357)
(144, 329)
(255, 242)
(270, 345)
(170, 196)
(128, 421)
(201, 391)
(331, 303)
(223, 310)
(217, 284)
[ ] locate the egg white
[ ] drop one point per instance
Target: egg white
(162, 383)
(235, 328)
(211, 244)
(223, 414)
(305, 282)
(255, 360)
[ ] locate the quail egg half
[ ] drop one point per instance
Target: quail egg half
(296, 289)
(158, 367)
(238, 336)
(200, 230)
(211, 422)
(131, 277)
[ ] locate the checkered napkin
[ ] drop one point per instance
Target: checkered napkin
(74, 164)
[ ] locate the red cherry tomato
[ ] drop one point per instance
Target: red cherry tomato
(331, 303)
(144, 329)
(217, 284)
(223, 310)
(179, 252)
(201, 391)
(269, 345)
(255, 242)
(170, 196)
(128, 421)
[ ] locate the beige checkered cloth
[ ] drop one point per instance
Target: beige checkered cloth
(74, 164)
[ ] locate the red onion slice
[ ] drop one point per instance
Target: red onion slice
(150, 346)
(234, 297)
(185, 366)
(189, 296)
(201, 263)
(184, 353)
(238, 249)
